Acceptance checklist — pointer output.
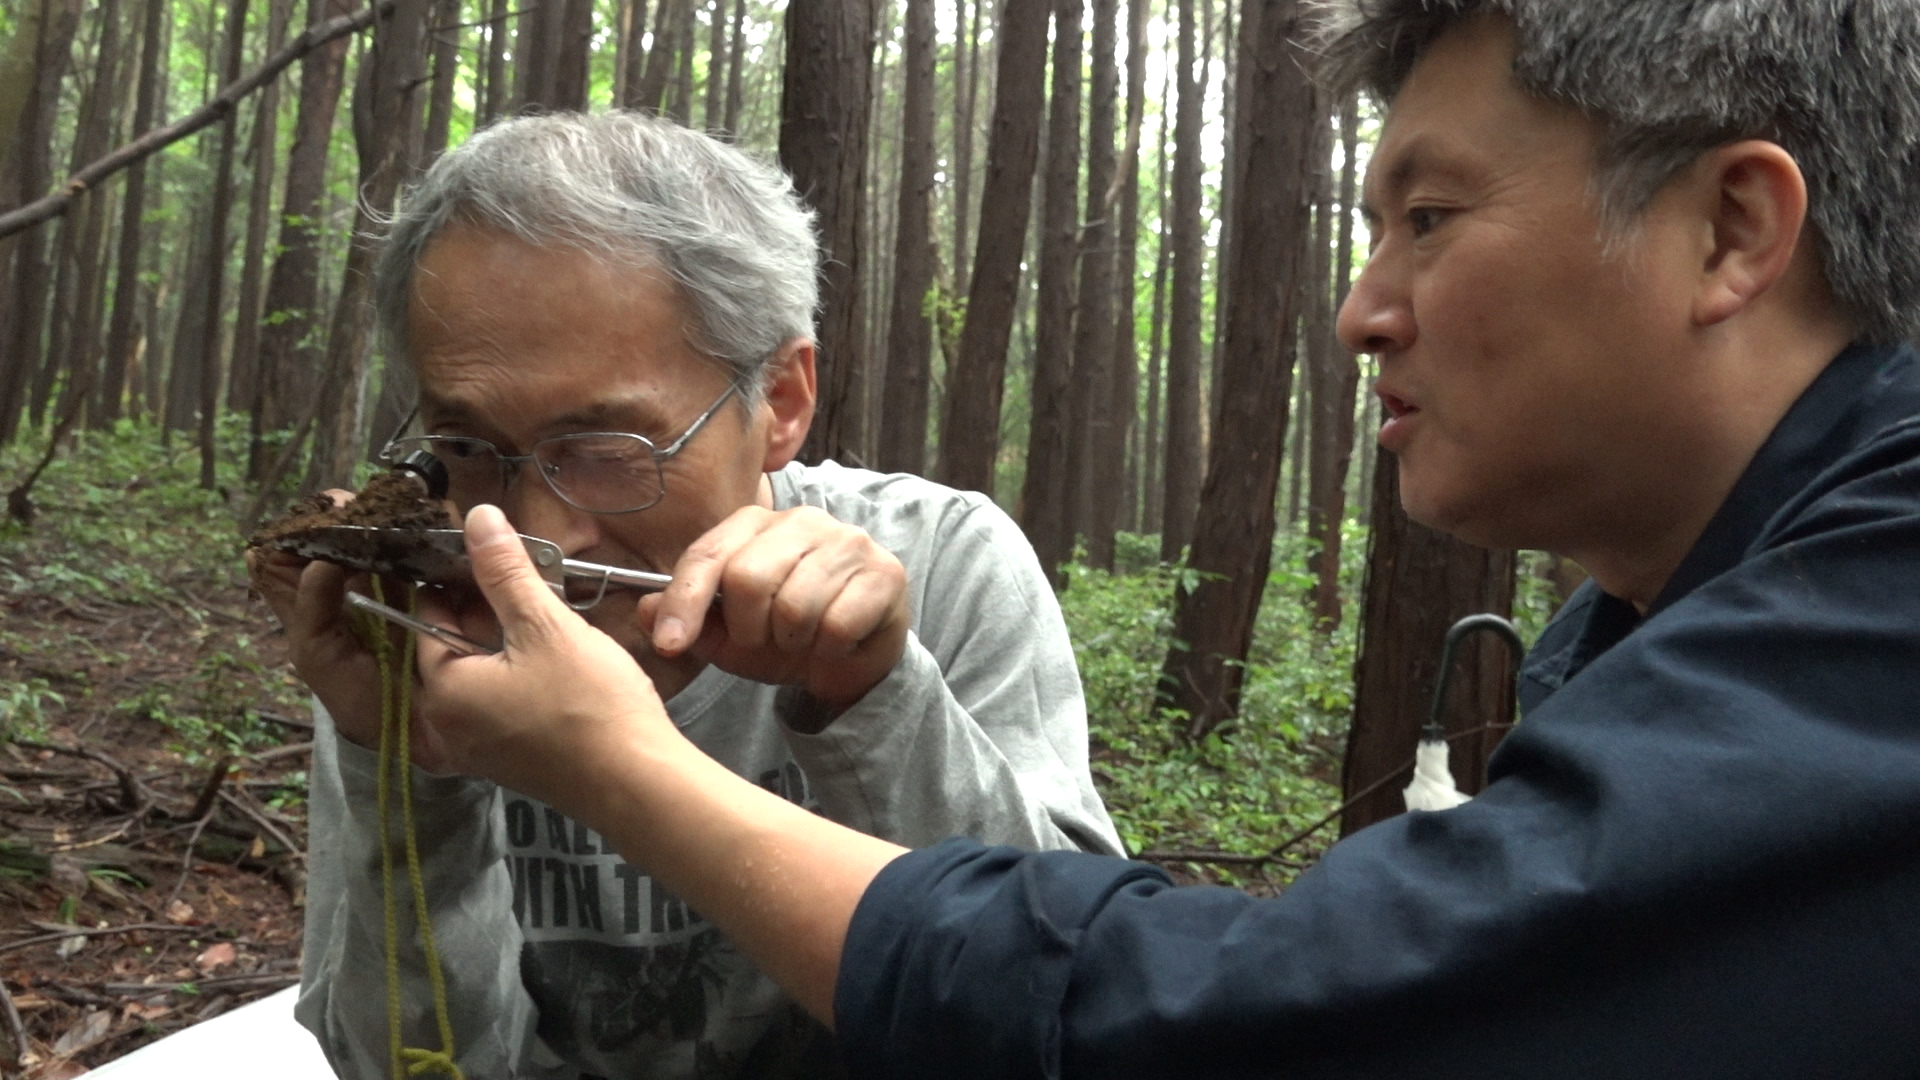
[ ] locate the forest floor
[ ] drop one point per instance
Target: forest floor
(152, 778)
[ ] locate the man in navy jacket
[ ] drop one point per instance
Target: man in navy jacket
(1638, 271)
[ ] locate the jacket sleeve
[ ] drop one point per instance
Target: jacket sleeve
(981, 729)
(343, 990)
(1697, 858)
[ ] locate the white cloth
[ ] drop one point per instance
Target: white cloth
(1432, 787)
(247, 1043)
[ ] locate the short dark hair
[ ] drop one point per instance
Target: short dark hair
(1836, 83)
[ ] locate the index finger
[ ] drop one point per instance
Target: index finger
(685, 604)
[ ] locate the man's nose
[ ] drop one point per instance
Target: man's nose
(1378, 314)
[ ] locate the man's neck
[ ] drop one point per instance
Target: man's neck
(1764, 371)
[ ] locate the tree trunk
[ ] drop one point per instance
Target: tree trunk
(391, 89)
(216, 272)
(1233, 540)
(94, 137)
(659, 68)
(903, 420)
(823, 145)
(245, 388)
(680, 103)
(32, 162)
(716, 65)
(1112, 478)
(497, 95)
(1333, 403)
(1181, 481)
(1093, 359)
(120, 331)
(970, 429)
(966, 87)
(737, 52)
(1419, 583)
(1043, 496)
(572, 61)
(1153, 486)
(446, 69)
(292, 355)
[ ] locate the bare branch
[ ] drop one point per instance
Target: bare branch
(223, 103)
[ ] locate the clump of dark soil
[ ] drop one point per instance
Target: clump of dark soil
(389, 501)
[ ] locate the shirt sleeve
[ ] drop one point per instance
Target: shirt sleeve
(1699, 857)
(981, 729)
(343, 989)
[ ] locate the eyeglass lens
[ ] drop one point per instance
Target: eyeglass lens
(600, 473)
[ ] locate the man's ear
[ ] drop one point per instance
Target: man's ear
(788, 401)
(1757, 213)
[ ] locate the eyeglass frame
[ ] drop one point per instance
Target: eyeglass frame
(510, 463)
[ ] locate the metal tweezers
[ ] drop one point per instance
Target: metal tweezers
(439, 557)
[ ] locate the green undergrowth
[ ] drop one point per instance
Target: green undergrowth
(1254, 782)
(123, 535)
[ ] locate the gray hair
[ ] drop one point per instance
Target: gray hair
(1836, 83)
(634, 190)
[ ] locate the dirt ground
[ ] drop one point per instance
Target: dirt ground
(152, 835)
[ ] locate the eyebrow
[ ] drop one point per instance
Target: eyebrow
(624, 414)
(1418, 159)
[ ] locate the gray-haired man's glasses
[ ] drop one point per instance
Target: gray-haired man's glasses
(601, 472)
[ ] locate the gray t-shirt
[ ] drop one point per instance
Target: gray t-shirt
(563, 960)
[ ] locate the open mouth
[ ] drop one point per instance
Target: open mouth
(1396, 407)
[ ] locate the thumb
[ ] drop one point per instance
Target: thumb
(514, 589)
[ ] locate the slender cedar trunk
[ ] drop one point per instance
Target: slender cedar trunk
(1333, 402)
(96, 134)
(1223, 204)
(736, 55)
(572, 61)
(680, 108)
(1093, 360)
(120, 331)
(823, 145)
(970, 429)
(1043, 496)
(966, 86)
(1181, 481)
(903, 420)
(498, 93)
(147, 374)
(716, 65)
(68, 256)
(291, 352)
(882, 199)
(1152, 485)
(19, 67)
(390, 92)
(1113, 474)
(659, 71)
(1303, 414)
(32, 158)
(245, 389)
(216, 271)
(445, 48)
(540, 34)
(634, 62)
(1419, 583)
(1233, 540)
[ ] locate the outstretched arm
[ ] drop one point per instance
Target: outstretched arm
(564, 714)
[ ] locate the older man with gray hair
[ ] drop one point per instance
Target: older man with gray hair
(610, 321)
(1641, 270)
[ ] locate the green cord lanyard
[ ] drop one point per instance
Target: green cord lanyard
(396, 710)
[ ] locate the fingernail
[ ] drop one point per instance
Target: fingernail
(486, 525)
(670, 633)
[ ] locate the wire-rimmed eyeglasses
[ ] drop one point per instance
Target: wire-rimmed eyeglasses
(600, 472)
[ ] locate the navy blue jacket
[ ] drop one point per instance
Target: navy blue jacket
(1698, 855)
